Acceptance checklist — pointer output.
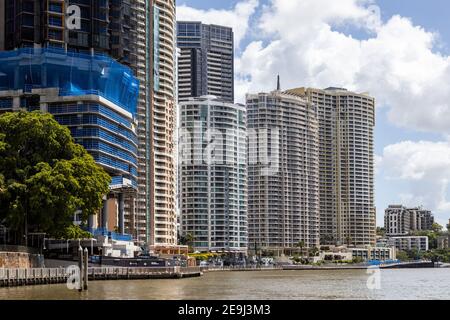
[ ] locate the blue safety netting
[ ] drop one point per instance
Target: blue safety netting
(72, 73)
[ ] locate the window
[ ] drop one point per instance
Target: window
(55, 21)
(55, 35)
(55, 7)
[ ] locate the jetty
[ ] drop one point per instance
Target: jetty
(38, 276)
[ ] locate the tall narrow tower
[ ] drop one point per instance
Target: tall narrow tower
(162, 226)
(206, 62)
(346, 157)
(283, 172)
(213, 189)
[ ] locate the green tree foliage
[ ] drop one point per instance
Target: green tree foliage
(314, 252)
(74, 232)
(403, 256)
(432, 237)
(46, 176)
(442, 255)
(437, 228)
(301, 244)
(381, 232)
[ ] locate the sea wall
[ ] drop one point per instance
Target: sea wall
(20, 260)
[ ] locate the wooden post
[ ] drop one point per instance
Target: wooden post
(86, 266)
(80, 265)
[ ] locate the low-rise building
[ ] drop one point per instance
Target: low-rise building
(343, 253)
(374, 253)
(402, 221)
(414, 243)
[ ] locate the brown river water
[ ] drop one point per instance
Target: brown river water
(264, 285)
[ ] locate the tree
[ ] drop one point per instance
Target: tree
(348, 240)
(437, 228)
(403, 256)
(301, 245)
(47, 176)
(314, 252)
(381, 231)
(74, 232)
(188, 240)
(327, 239)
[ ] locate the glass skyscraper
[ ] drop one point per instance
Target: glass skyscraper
(95, 97)
(206, 61)
(141, 35)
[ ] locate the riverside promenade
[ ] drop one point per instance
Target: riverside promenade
(37, 276)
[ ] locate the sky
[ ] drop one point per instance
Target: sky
(397, 50)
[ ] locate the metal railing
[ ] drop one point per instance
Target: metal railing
(93, 273)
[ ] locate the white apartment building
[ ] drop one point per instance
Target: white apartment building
(283, 172)
(400, 220)
(212, 173)
(409, 243)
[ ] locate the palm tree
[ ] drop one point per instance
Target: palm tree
(349, 240)
(190, 240)
(301, 245)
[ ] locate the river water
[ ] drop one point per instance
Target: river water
(264, 285)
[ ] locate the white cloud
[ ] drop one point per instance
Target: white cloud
(425, 168)
(237, 18)
(397, 63)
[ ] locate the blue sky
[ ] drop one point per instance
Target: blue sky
(411, 130)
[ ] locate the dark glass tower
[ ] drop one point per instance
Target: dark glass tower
(206, 61)
(106, 26)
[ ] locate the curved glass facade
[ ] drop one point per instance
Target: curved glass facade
(94, 96)
(213, 174)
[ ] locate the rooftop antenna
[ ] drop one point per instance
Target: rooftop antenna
(278, 83)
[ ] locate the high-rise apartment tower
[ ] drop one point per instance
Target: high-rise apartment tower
(206, 61)
(346, 160)
(213, 175)
(283, 173)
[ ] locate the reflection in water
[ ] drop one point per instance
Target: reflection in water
(350, 284)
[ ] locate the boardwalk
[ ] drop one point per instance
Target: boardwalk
(21, 277)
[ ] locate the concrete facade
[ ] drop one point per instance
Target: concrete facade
(283, 172)
(346, 160)
(409, 243)
(401, 221)
(213, 186)
(206, 61)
